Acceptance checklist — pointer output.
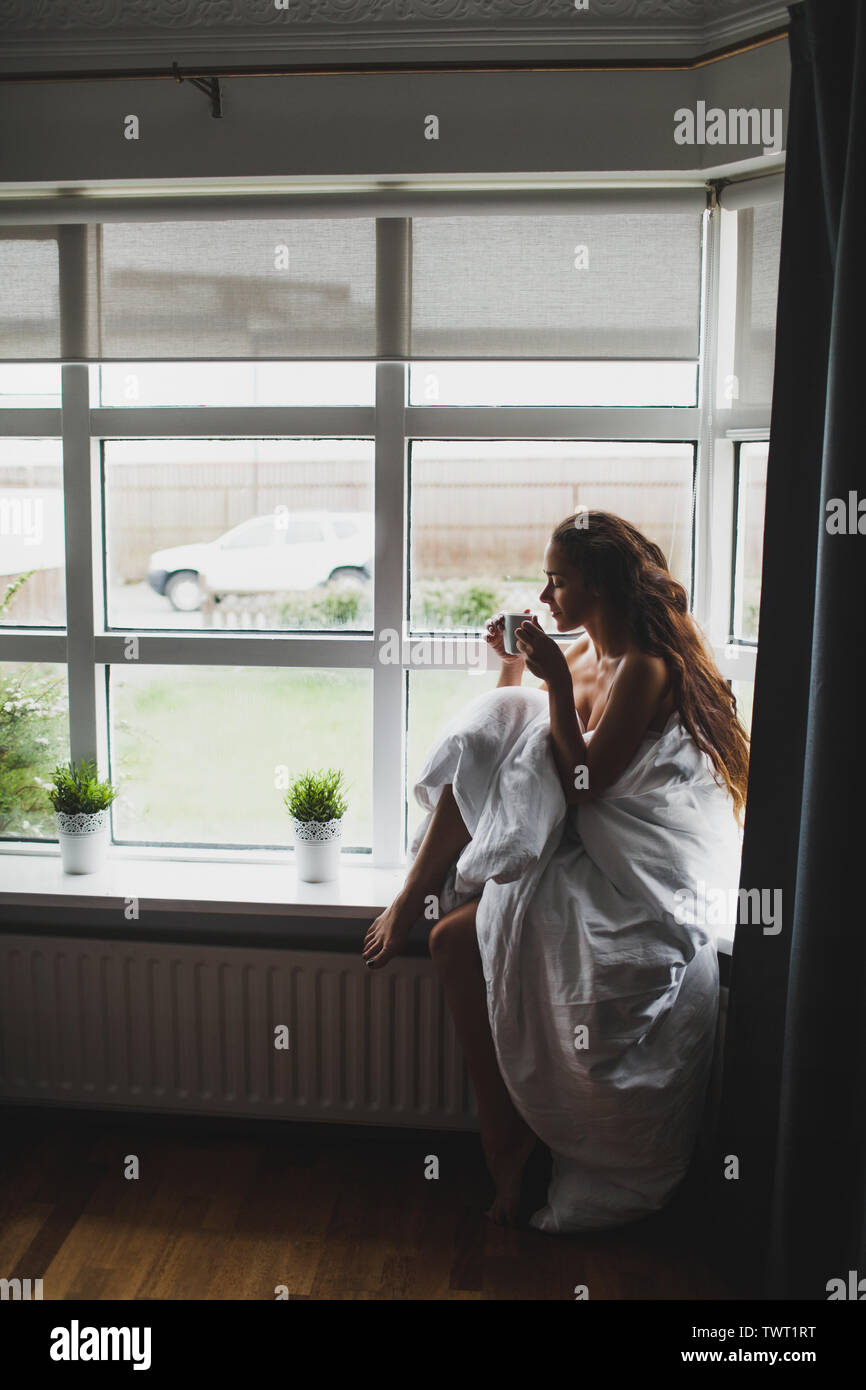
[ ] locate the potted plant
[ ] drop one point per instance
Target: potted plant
(316, 806)
(81, 803)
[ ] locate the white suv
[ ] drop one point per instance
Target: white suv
(282, 550)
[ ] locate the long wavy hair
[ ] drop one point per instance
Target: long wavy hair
(630, 574)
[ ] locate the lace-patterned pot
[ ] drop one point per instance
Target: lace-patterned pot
(83, 838)
(317, 849)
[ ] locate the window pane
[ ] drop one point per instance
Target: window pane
(34, 738)
(250, 524)
(758, 247)
(30, 384)
(434, 698)
(482, 513)
(202, 754)
(32, 541)
(745, 694)
(237, 383)
(750, 540)
(553, 383)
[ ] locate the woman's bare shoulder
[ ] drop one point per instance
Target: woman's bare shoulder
(581, 644)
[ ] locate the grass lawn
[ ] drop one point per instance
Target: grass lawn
(202, 754)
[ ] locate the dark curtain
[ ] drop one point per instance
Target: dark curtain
(794, 1098)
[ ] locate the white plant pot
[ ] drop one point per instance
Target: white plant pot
(317, 849)
(83, 839)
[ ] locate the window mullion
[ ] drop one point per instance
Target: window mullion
(389, 681)
(675, 423)
(708, 539)
(35, 422)
(393, 255)
(78, 494)
(228, 422)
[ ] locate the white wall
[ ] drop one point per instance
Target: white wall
(516, 122)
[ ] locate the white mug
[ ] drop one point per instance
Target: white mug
(512, 621)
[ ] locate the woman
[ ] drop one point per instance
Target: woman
(585, 1006)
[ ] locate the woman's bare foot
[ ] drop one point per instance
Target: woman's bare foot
(506, 1168)
(386, 937)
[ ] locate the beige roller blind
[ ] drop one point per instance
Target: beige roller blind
(607, 282)
(182, 290)
(237, 289)
(613, 285)
(29, 295)
(759, 234)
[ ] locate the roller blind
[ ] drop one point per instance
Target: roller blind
(29, 295)
(239, 289)
(759, 235)
(182, 290)
(614, 285)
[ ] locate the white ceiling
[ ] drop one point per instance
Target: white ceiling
(44, 35)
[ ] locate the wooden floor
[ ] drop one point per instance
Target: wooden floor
(227, 1212)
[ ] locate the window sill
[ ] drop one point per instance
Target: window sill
(262, 887)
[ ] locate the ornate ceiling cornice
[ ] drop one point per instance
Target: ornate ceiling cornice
(55, 34)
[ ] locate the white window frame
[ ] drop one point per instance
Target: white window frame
(88, 649)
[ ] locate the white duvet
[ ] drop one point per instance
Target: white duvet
(602, 1003)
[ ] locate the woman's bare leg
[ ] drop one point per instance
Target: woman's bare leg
(506, 1138)
(445, 837)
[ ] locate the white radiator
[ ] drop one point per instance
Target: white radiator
(166, 1027)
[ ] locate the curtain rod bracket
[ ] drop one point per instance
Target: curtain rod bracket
(209, 85)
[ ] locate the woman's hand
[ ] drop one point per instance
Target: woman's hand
(544, 657)
(496, 640)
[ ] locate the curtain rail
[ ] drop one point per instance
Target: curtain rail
(382, 69)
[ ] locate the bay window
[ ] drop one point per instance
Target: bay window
(237, 453)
